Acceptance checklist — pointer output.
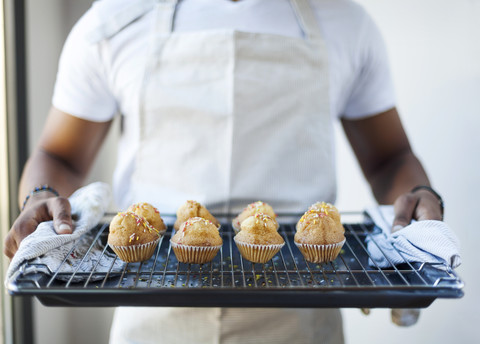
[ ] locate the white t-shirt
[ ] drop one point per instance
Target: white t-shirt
(96, 81)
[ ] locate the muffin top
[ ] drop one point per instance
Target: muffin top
(326, 208)
(150, 213)
(198, 231)
(320, 226)
(259, 229)
(128, 229)
(252, 209)
(193, 209)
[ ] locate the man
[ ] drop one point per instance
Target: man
(223, 102)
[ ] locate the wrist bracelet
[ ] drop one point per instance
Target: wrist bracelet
(38, 190)
(433, 192)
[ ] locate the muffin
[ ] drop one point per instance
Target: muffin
(320, 234)
(132, 238)
(193, 209)
(258, 240)
(197, 241)
(252, 209)
(149, 213)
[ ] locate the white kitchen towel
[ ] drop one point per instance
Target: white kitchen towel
(422, 241)
(46, 250)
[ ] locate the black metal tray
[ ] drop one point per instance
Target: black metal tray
(230, 281)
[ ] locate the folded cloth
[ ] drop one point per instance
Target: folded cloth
(422, 241)
(46, 250)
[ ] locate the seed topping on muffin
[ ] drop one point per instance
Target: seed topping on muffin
(250, 210)
(264, 218)
(139, 220)
(150, 213)
(193, 209)
(317, 211)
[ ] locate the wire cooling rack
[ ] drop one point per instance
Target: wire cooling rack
(288, 280)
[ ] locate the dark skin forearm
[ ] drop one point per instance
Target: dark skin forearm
(44, 168)
(391, 168)
(385, 155)
(397, 176)
(64, 155)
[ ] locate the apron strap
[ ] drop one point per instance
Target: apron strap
(165, 16)
(118, 18)
(303, 11)
(307, 20)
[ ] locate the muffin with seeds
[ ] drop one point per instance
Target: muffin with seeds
(193, 209)
(197, 241)
(320, 234)
(258, 240)
(252, 209)
(132, 237)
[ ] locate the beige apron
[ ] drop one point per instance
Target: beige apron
(231, 117)
(227, 118)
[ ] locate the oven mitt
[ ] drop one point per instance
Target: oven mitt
(422, 241)
(46, 250)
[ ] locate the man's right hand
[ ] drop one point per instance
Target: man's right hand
(39, 209)
(63, 156)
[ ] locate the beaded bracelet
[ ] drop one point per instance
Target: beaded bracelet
(38, 190)
(433, 192)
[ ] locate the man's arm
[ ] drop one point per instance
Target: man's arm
(390, 166)
(62, 158)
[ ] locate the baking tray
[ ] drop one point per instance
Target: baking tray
(288, 280)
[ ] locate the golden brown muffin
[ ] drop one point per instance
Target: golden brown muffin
(259, 229)
(193, 209)
(320, 226)
(132, 238)
(198, 231)
(150, 213)
(252, 209)
(320, 233)
(197, 241)
(258, 240)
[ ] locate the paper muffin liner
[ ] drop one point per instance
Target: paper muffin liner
(135, 253)
(258, 253)
(194, 254)
(320, 253)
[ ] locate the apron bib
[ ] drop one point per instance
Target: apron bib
(231, 117)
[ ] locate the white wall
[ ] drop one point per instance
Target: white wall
(435, 52)
(434, 48)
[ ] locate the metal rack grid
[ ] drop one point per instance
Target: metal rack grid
(288, 280)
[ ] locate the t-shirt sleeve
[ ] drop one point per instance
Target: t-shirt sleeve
(81, 87)
(372, 91)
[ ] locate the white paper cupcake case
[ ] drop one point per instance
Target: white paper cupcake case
(320, 253)
(135, 253)
(194, 254)
(258, 253)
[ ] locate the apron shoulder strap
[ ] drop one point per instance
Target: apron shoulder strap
(115, 15)
(307, 19)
